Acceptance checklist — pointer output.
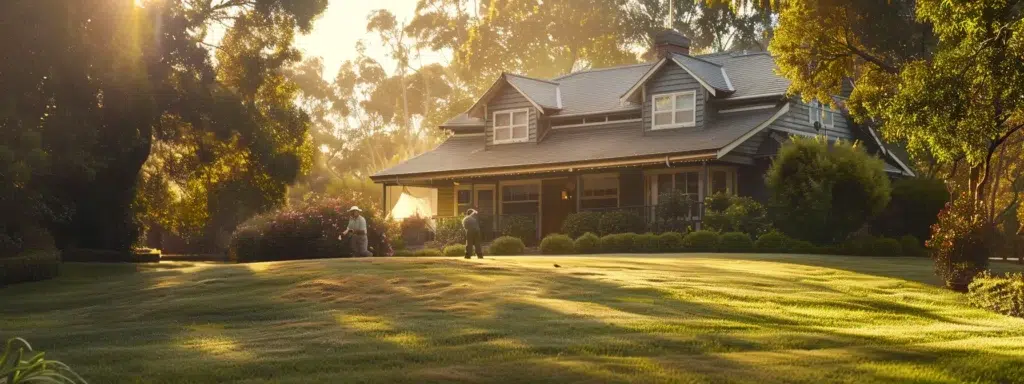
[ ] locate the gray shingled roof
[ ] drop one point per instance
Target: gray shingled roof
(568, 146)
(708, 72)
(542, 92)
(751, 74)
(598, 90)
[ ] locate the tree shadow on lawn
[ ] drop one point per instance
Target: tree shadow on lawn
(437, 321)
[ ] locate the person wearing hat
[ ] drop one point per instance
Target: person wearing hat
(473, 238)
(357, 226)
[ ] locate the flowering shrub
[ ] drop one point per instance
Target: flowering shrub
(309, 232)
(957, 245)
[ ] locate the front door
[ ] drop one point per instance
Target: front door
(485, 204)
(555, 205)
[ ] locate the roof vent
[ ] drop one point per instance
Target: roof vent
(670, 41)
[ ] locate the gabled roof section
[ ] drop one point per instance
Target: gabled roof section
(712, 76)
(463, 120)
(543, 94)
(751, 74)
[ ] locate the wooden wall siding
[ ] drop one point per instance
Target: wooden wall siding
(631, 188)
(509, 98)
(751, 146)
(445, 200)
(671, 78)
(797, 119)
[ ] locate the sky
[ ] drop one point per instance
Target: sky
(335, 34)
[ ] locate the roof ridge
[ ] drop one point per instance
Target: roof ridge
(530, 78)
(698, 59)
(601, 69)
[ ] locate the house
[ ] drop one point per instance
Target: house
(617, 138)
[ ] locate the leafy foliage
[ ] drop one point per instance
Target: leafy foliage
(1002, 294)
(911, 246)
(913, 208)
(557, 244)
(735, 242)
(670, 242)
(675, 205)
(729, 213)
(506, 246)
(772, 242)
(646, 243)
(455, 250)
(19, 365)
(449, 231)
(29, 266)
(521, 227)
(617, 242)
(309, 232)
(958, 244)
(701, 241)
(587, 244)
(821, 192)
(620, 221)
(579, 223)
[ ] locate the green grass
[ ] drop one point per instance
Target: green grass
(687, 318)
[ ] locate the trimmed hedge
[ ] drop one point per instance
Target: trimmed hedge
(588, 243)
(884, 246)
(771, 242)
(614, 222)
(646, 243)
(455, 250)
(557, 244)
(617, 243)
(1002, 294)
(735, 242)
(670, 242)
(912, 246)
(521, 227)
(802, 247)
(30, 266)
(579, 223)
(506, 246)
(85, 255)
(428, 252)
(308, 232)
(701, 241)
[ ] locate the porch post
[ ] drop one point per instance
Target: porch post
(384, 200)
(705, 180)
(579, 192)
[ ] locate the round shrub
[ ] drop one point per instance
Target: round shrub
(802, 247)
(884, 246)
(617, 243)
(675, 205)
(701, 241)
(911, 246)
(449, 231)
(822, 192)
(429, 252)
(771, 242)
(620, 222)
(506, 246)
(520, 227)
(1002, 294)
(670, 242)
(579, 223)
(735, 242)
(557, 244)
(455, 250)
(29, 266)
(646, 243)
(913, 208)
(718, 202)
(588, 243)
(310, 231)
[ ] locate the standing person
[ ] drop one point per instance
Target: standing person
(357, 226)
(473, 238)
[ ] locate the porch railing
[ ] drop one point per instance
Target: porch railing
(658, 219)
(492, 226)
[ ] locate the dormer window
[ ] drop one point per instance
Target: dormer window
(674, 110)
(820, 113)
(512, 126)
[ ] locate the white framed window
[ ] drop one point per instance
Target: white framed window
(673, 110)
(820, 113)
(600, 191)
(512, 126)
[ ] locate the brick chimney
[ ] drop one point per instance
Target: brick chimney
(670, 41)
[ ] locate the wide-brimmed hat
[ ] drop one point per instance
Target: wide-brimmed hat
(355, 208)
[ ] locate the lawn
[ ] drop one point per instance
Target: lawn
(685, 318)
